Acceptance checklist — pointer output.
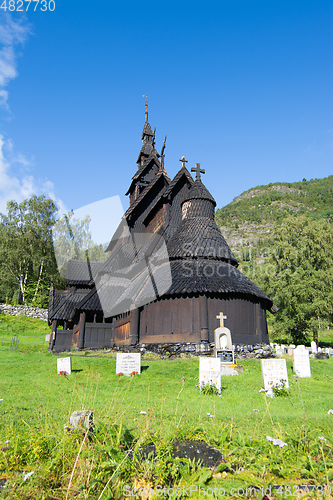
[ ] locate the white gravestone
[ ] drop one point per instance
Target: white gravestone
(224, 350)
(64, 365)
(278, 350)
(223, 343)
(313, 346)
(210, 372)
(274, 371)
(301, 362)
(128, 363)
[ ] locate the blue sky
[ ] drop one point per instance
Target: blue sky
(243, 87)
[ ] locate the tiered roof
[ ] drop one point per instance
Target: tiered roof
(195, 260)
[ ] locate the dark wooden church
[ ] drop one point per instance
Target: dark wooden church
(169, 272)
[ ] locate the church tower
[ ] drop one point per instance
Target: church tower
(148, 162)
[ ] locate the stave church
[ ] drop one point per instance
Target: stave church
(168, 274)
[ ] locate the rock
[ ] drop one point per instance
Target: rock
(194, 450)
(82, 419)
(321, 355)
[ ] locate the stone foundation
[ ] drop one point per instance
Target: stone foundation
(242, 351)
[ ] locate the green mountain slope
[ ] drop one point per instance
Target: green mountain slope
(250, 218)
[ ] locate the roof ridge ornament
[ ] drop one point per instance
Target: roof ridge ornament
(146, 112)
(162, 153)
(182, 159)
(198, 171)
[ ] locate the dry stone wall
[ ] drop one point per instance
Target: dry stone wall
(30, 312)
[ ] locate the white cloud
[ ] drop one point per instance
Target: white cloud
(18, 189)
(12, 34)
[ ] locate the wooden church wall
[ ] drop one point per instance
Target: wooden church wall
(246, 319)
(181, 316)
(156, 220)
(171, 320)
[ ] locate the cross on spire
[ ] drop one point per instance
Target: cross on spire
(182, 159)
(221, 317)
(198, 171)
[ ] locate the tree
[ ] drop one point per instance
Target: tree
(72, 240)
(26, 251)
(299, 276)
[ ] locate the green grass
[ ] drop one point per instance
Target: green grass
(37, 403)
(31, 332)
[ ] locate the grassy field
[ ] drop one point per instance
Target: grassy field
(37, 403)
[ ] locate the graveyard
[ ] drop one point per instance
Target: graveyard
(143, 407)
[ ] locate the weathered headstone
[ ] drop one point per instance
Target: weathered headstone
(128, 363)
(210, 372)
(274, 372)
(64, 365)
(224, 350)
(313, 347)
(222, 335)
(301, 362)
(82, 418)
(47, 337)
(279, 350)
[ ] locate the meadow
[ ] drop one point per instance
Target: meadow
(36, 405)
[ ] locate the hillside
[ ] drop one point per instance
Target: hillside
(250, 218)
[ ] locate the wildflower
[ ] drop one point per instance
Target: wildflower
(135, 419)
(212, 416)
(255, 409)
(29, 474)
(276, 442)
(143, 413)
(322, 438)
(262, 390)
(208, 414)
(7, 442)
(330, 412)
(184, 378)
(1, 399)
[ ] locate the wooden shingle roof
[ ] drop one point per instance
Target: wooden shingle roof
(81, 272)
(199, 237)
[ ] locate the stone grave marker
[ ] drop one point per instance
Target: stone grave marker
(64, 365)
(82, 419)
(301, 362)
(47, 337)
(313, 347)
(210, 372)
(274, 371)
(224, 349)
(128, 363)
(279, 350)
